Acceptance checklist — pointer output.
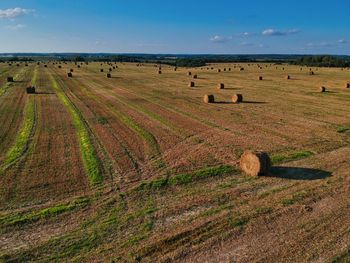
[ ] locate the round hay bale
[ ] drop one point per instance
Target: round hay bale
(159, 72)
(241, 69)
(110, 69)
(255, 163)
(311, 73)
(229, 69)
(191, 84)
(101, 70)
(10, 79)
(322, 89)
(109, 75)
(237, 98)
(219, 70)
(69, 74)
(78, 66)
(175, 68)
(59, 66)
(208, 98)
(189, 73)
(224, 69)
(221, 86)
(347, 85)
(71, 70)
(260, 78)
(195, 76)
(287, 77)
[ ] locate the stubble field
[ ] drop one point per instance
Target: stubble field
(137, 167)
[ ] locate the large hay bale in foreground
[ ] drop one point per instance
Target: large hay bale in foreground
(10, 79)
(255, 163)
(322, 89)
(191, 84)
(69, 74)
(221, 86)
(208, 98)
(237, 98)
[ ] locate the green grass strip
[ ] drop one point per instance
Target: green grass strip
(186, 178)
(4, 88)
(291, 156)
(44, 213)
(89, 156)
(22, 138)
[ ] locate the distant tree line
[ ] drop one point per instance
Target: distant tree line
(323, 61)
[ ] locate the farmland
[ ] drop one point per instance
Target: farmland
(137, 167)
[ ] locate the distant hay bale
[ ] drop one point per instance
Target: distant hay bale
(45, 66)
(101, 70)
(109, 75)
(208, 98)
(229, 69)
(69, 74)
(189, 73)
(191, 84)
(283, 68)
(347, 85)
(237, 98)
(175, 69)
(78, 66)
(322, 89)
(194, 76)
(10, 79)
(30, 90)
(71, 70)
(311, 73)
(287, 77)
(221, 86)
(255, 163)
(241, 69)
(159, 72)
(224, 69)
(219, 70)
(260, 78)
(59, 66)
(110, 69)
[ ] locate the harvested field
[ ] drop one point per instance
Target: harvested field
(136, 167)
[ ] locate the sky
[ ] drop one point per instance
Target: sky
(176, 27)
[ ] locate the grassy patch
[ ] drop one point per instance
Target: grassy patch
(90, 159)
(343, 257)
(343, 129)
(186, 178)
(44, 213)
(295, 198)
(291, 156)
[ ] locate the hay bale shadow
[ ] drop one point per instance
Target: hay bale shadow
(298, 173)
(44, 92)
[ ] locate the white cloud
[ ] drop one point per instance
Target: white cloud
(343, 41)
(12, 13)
(16, 27)
(220, 39)
(274, 32)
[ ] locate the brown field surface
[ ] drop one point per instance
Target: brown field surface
(137, 168)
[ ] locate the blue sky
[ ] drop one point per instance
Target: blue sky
(179, 26)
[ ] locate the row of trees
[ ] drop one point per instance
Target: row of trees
(323, 61)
